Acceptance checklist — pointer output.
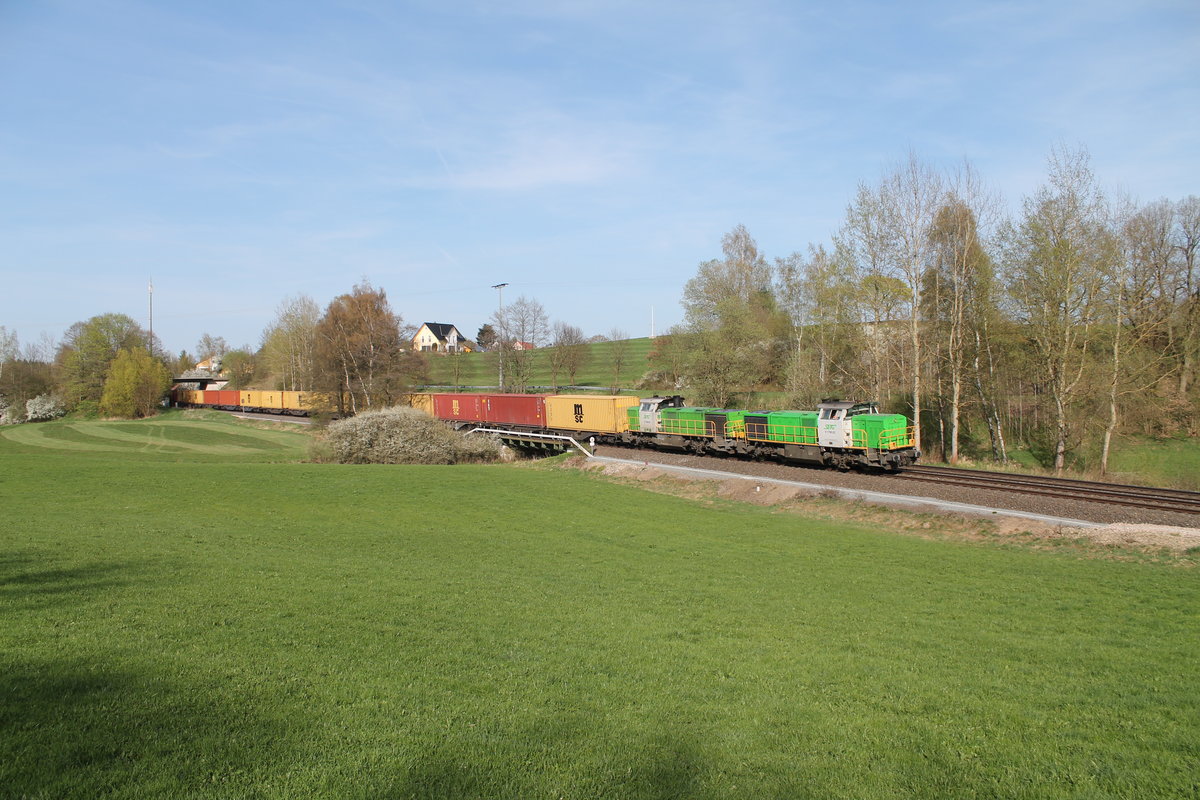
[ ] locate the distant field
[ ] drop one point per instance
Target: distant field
(193, 435)
(1170, 462)
(479, 369)
(189, 612)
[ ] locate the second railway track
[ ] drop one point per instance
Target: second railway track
(1174, 500)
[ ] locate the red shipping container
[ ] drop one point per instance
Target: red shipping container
(465, 407)
(228, 397)
(212, 397)
(527, 410)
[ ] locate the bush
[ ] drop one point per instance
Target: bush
(136, 383)
(401, 435)
(43, 407)
(8, 415)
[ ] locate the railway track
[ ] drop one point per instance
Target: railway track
(1175, 500)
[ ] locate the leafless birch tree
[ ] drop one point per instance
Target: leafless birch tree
(1056, 254)
(289, 343)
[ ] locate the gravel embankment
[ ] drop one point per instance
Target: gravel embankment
(896, 484)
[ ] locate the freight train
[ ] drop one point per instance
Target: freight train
(837, 434)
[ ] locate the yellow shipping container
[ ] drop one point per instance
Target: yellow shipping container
(320, 402)
(295, 401)
(249, 397)
(589, 412)
(422, 401)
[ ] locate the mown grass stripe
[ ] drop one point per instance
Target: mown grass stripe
(167, 436)
(156, 437)
(51, 436)
(233, 428)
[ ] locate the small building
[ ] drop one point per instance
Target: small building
(441, 337)
(522, 346)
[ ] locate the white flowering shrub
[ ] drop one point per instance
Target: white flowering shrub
(401, 435)
(7, 415)
(43, 407)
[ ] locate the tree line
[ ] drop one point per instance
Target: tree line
(358, 350)
(1053, 328)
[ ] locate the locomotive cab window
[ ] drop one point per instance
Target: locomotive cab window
(831, 413)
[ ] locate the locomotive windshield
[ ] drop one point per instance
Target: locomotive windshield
(862, 408)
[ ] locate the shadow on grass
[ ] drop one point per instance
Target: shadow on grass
(76, 730)
(551, 761)
(107, 720)
(24, 585)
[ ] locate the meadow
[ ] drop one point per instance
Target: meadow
(188, 610)
(480, 369)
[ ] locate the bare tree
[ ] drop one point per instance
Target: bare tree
(360, 353)
(211, 346)
(27, 374)
(909, 198)
(1057, 255)
(1187, 244)
(9, 347)
(289, 343)
(957, 262)
(568, 352)
(521, 326)
(457, 366)
(670, 354)
(736, 278)
(618, 355)
(1143, 292)
(732, 318)
(875, 296)
(822, 300)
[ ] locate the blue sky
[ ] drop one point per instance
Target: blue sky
(589, 154)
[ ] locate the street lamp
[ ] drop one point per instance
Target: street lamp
(499, 287)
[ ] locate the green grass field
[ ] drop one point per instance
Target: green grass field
(189, 612)
(1173, 463)
(479, 369)
(1168, 462)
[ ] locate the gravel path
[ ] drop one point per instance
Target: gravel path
(1060, 507)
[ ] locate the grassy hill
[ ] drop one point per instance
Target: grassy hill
(189, 611)
(480, 369)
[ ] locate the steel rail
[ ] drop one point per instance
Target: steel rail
(1176, 500)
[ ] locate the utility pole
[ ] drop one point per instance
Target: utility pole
(499, 287)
